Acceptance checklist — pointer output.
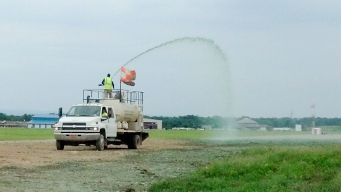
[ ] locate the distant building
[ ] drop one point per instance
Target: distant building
(298, 127)
(281, 129)
(248, 123)
(43, 121)
(152, 123)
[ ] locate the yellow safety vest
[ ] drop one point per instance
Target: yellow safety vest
(108, 83)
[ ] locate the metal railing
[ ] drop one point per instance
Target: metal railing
(125, 96)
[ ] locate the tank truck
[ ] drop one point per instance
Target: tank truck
(103, 121)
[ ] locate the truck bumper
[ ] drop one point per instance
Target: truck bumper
(76, 136)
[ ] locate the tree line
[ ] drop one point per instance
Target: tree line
(192, 121)
(25, 117)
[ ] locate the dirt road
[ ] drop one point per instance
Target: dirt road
(38, 153)
(38, 166)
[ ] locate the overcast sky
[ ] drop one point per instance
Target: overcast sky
(282, 56)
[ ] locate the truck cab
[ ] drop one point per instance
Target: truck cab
(103, 121)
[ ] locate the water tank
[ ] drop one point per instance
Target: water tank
(124, 112)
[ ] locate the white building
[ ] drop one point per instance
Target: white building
(152, 123)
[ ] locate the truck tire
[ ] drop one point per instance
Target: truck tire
(100, 143)
(59, 145)
(134, 142)
(105, 144)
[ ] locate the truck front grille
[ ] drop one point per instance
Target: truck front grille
(76, 128)
(76, 124)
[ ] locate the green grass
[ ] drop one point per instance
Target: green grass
(274, 168)
(216, 134)
(38, 134)
(17, 134)
(179, 134)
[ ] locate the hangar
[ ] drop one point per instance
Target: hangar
(43, 121)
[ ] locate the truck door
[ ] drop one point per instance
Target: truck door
(112, 126)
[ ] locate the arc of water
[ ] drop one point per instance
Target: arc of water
(212, 43)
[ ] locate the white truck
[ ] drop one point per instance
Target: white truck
(103, 121)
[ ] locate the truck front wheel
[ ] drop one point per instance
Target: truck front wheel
(100, 143)
(134, 142)
(60, 145)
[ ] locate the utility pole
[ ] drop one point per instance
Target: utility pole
(313, 116)
(291, 121)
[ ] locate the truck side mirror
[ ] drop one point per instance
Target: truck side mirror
(60, 114)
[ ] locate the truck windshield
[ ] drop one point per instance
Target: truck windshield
(85, 111)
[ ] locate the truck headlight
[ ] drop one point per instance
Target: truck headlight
(57, 128)
(93, 128)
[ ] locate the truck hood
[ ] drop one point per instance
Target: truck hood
(87, 120)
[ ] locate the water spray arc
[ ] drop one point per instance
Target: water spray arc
(184, 39)
(219, 71)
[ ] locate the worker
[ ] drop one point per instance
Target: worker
(108, 86)
(104, 113)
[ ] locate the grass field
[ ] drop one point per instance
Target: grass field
(271, 164)
(11, 134)
(18, 134)
(276, 168)
(217, 134)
